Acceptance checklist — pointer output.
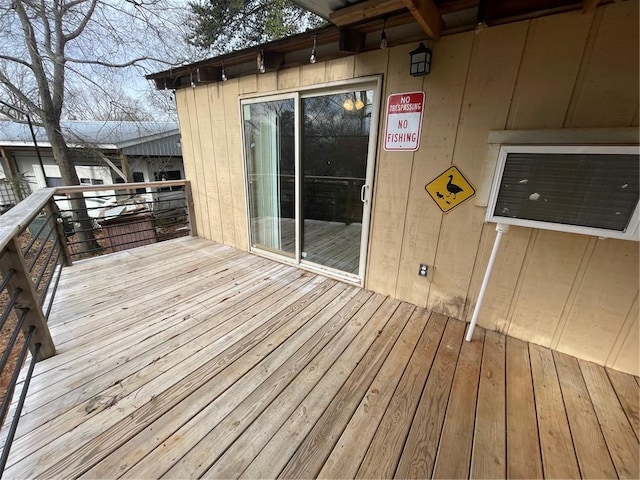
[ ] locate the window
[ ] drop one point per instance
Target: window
(91, 181)
(54, 182)
(580, 189)
(167, 175)
(138, 177)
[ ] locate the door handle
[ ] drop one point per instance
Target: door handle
(363, 192)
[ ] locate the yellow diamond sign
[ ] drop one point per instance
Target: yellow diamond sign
(450, 189)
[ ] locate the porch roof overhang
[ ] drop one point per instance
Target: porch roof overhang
(351, 28)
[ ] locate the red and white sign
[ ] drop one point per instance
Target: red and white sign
(404, 121)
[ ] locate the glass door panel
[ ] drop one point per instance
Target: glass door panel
(269, 135)
(334, 153)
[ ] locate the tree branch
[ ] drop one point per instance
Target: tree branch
(18, 93)
(69, 5)
(83, 23)
(16, 119)
(36, 62)
(117, 65)
(42, 13)
(16, 60)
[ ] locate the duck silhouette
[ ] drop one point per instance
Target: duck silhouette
(452, 188)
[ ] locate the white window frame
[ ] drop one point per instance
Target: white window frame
(632, 232)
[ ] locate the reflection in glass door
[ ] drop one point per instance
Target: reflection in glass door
(335, 145)
(269, 129)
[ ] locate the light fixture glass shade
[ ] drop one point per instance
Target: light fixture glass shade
(383, 40)
(420, 61)
(349, 104)
(313, 58)
(260, 62)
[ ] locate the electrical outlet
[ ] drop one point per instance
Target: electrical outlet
(423, 270)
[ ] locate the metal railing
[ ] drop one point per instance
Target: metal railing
(131, 216)
(46, 232)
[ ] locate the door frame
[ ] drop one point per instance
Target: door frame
(371, 83)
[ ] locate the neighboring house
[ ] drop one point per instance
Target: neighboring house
(295, 154)
(103, 151)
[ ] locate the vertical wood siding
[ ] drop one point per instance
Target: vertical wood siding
(573, 293)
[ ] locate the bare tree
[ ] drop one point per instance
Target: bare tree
(52, 51)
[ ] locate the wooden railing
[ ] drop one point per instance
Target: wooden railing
(44, 233)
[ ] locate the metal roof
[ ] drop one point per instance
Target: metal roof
(324, 8)
(133, 138)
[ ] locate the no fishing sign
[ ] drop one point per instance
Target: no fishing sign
(404, 121)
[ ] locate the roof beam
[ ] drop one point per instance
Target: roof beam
(208, 74)
(364, 11)
(351, 41)
(427, 15)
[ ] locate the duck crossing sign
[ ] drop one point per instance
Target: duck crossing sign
(450, 189)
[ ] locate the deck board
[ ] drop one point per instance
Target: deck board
(591, 450)
(418, 456)
(558, 453)
(189, 358)
(523, 445)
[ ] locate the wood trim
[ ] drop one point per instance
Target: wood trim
(364, 11)
(17, 219)
(427, 15)
(119, 186)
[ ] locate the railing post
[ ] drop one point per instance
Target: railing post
(190, 211)
(27, 300)
(52, 209)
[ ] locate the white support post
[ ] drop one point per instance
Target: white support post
(501, 228)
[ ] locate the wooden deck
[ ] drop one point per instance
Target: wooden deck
(332, 244)
(188, 358)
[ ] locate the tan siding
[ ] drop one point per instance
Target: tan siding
(268, 82)
(490, 83)
(188, 156)
(554, 260)
(234, 155)
(340, 69)
(607, 95)
(627, 358)
(209, 163)
(289, 78)
(548, 72)
(605, 296)
(391, 187)
(200, 190)
(313, 74)
(506, 278)
(219, 131)
(444, 88)
(371, 63)
(248, 84)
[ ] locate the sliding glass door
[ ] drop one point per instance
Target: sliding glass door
(309, 163)
(335, 143)
(269, 131)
